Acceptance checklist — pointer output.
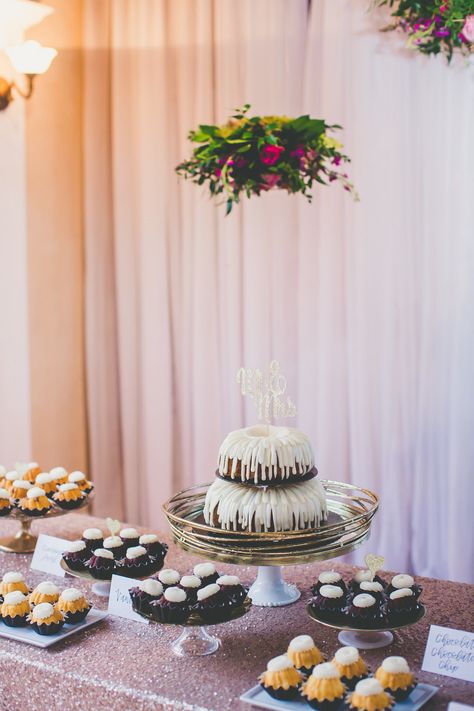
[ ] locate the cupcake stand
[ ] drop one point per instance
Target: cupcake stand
(364, 638)
(351, 510)
(99, 587)
(24, 541)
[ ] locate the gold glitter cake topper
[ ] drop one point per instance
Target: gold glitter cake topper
(266, 391)
(374, 563)
(113, 525)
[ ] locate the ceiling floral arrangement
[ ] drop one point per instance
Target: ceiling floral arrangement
(434, 26)
(250, 155)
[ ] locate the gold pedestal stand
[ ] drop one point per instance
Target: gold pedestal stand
(24, 541)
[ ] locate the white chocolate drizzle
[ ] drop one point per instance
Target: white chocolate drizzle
(174, 595)
(35, 492)
(43, 611)
(402, 592)
(369, 687)
(396, 665)
(168, 576)
(148, 538)
(208, 591)
(279, 663)
(93, 534)
(266, 450)
(346, 655)
(14, 598)
(204, 570)
(135, 552)
(325, 671)
(190, 581)
(13, 577)
(364, 600)
(151, 587)
(329, 577)
(302, 643)
(71, 595)
(282, 508)
(47, 588)
(76, 546)
(402, 580)
(332, 591)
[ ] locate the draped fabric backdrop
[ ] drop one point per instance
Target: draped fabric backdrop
(369, 307)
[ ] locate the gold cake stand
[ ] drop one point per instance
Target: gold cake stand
(364, 637)
(24, 541)
(194, 640)
(350, 513)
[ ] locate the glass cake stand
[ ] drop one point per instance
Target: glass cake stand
(363, 637)
(350, 513)
(100, 587)
(24, 541)
(194, 640)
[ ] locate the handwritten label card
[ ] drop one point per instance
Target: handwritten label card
(47, 555)
(457, 706)
(120, 603)
(450, 652)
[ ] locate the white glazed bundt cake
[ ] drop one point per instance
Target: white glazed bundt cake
(289, 507)
(264, 454)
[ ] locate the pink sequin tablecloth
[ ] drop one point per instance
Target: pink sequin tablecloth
(128, 666)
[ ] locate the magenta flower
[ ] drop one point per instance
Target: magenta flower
(298, 152)
(269, 155)
(468, 28)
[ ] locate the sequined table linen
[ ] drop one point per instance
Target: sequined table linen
(129, 666)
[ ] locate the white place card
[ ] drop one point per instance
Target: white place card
(48, 554)
(450, 652)
(458, 706)
(120, 603)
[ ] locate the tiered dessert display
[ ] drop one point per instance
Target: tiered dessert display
(28, 493)
(98, 557)
(267, 507)
(193, 602)
(367, 608)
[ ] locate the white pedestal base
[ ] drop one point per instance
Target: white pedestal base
(102, 589)
(365, 640)
(270, 590)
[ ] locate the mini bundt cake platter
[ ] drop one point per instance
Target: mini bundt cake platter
(267, 505)
(27, 492)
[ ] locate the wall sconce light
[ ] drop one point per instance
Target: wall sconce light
(29, 58)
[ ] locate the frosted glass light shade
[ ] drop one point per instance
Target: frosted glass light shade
(31, 57)
(16, 16)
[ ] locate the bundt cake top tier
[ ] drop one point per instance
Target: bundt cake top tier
(264, 453)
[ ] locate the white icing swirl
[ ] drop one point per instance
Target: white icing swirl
(69, 486)
(148, 538)
(35, 492)
(4, 494)
(44, 478)
(272, 450)
(102, 553)
(228, 580)
(13, 577)
(128, 533)
(363, 576)
(76, 477)
(14, 598)
(396, 665)
(58, 472)
(279, 664)
(208, 591)
(402, 581)
(168, 576)
(92, 534)
(42, 611)
(174, 595)
(47, 588)
(364, 600)
(190, 581)
(71, 595)
(135, 552)
(325, 671)
(204, 570)
(113, 542)
(332, 591)
(369, 687)
(302, 643)
(76, 546)
(151, 587)
(282, 508)
(22, 484)
(369, 586)
(346, 655)
(403, 592)
(12, 475)
(329, 577)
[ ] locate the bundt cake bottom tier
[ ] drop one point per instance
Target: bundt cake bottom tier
(236, 507)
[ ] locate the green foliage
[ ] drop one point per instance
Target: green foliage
(250, 155)
(433, 26)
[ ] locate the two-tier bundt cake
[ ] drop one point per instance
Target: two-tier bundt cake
(266, 481)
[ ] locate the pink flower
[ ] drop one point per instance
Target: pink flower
(270, 180)
(298, 152)
(468, 29)
(269, 155)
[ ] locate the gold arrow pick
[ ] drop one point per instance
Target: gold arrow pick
(374, 563)
(113, 525)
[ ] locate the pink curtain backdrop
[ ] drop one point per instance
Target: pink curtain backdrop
(368, 307)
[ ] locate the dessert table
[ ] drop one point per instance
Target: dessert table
(129, 666)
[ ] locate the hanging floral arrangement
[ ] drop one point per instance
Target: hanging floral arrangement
(434, 26)
(251, 155)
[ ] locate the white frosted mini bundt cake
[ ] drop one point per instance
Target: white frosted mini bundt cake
(264, 453)
(291, 507)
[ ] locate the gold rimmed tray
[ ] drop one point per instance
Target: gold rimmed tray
(24, 541)
(350, 509)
